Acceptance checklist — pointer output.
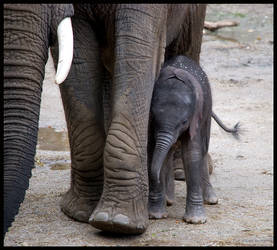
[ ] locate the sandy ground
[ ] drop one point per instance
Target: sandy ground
(239, 63)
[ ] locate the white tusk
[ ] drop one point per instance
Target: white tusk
(65, 39)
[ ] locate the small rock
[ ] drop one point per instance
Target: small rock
(240, 157)
(266, 172)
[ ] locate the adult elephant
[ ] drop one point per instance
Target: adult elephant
(118, 48)
(122, 46)
(28, 32)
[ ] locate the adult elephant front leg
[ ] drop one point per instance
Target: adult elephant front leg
(139, 36)
(82, 100)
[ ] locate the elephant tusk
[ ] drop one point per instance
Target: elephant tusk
(65, 39)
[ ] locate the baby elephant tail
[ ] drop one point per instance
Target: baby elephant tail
(235, 131)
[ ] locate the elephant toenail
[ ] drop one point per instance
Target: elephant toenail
(214, 200)
(102, 216)
(121, 219)
(140, 226)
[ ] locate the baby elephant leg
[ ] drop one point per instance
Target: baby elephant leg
(167, 175)
(209, 195)
(179, 174)
(193, 160)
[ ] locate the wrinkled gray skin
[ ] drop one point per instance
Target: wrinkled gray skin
(118, 52)
(109, 176)
(178, 168)
(181, 108)
(28, 32)
(179, 174)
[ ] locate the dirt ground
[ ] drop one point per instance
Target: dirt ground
(239, 63)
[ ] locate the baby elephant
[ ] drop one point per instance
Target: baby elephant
(181, 109)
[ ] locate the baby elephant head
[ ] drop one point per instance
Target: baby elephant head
(176, 107)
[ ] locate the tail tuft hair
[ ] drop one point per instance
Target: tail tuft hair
(237, 131)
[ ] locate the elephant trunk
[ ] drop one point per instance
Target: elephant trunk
(26, 44)
(164, 141)
(23, 76)
(22, 97)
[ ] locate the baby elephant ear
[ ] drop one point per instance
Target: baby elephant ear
(166, 73)
(188, 78)
(198, 93)
(176, 72)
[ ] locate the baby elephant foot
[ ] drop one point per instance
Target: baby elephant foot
(195, 214)
(170, 192)
(126, 218)
(169, 200)
(179, 175)
(209, 196)
(77, 207)
(157, 214)
(157, 209)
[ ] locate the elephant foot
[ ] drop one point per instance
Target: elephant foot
(123, 204)
(77, 208)
(195, 214)
(209, 196)
(157, 206)
(129, 217)
(169, 202)
(170, 189)
(158, 214)
(179, 174)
